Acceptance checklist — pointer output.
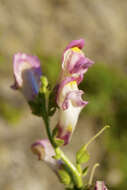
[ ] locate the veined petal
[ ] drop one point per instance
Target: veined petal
(27, 73)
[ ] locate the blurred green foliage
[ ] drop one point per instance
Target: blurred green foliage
(50, 67)
(9, 112)
(106, 88)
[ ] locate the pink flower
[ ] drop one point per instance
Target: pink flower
(69, 100)
(45, 152)
(100, 186)
(27, 73)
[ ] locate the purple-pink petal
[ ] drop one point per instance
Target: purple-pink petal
(82, 65)
(45, 152)
(47, 147)
(76, 43)
(75, 98)
(100, 185)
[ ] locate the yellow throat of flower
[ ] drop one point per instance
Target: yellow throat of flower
(69, 128)
(76, 49)
(72, 84)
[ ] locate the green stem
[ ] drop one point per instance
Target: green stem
(76, 175)
(49, 132)
(46, 121)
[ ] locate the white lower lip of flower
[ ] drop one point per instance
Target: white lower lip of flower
(68, 118)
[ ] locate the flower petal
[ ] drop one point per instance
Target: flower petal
(75, 63)
(75, 98)
(100, 186)
(82, 65)
(76, 43)
(45, 152)
(27, 73)
(67, 120)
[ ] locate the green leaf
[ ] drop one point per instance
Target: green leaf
(64, 177)
(58, 142)
(84, 172)
(82, 156)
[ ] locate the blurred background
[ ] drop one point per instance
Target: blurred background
(44, 28)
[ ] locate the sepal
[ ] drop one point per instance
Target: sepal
(58, 141)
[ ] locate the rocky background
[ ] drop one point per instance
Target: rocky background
(44, 28)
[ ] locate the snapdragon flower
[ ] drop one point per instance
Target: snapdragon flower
(27, 73)
(45, 152)
(69, 100)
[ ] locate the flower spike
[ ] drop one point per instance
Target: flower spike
(69, 100)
